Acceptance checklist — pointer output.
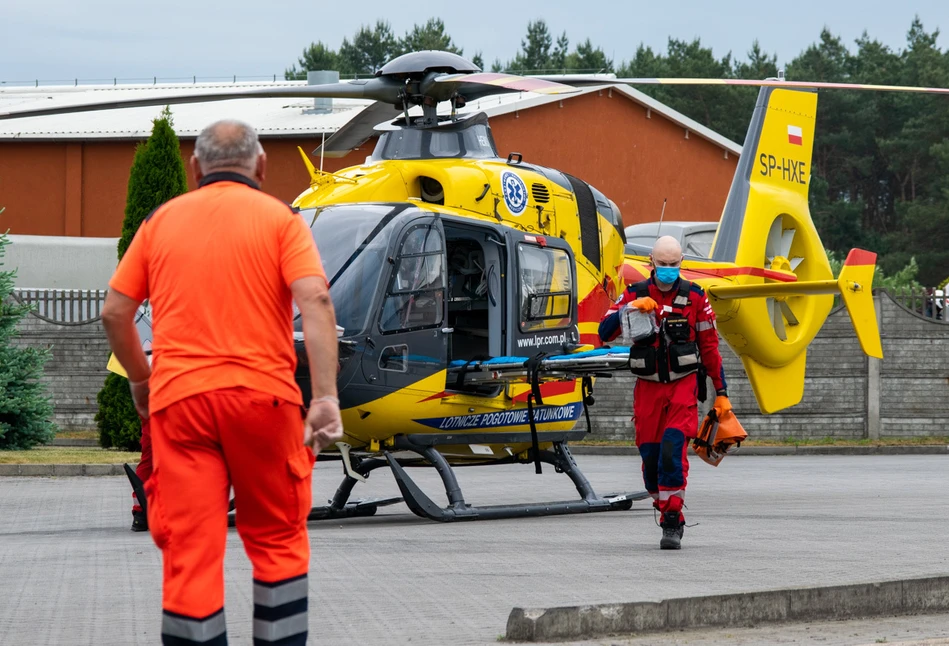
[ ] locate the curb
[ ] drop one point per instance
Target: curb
(46, 470)
(917, 449)
(887, 598)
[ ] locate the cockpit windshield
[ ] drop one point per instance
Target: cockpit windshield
(352, 241)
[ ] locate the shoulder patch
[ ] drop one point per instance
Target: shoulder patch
(697, 289)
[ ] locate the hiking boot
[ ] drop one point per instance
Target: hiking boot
(672, 529)
(139, 521)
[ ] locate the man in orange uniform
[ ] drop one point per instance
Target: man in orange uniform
(220, 266)
(665, 406)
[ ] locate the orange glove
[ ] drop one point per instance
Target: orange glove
(722, 406)
(644, 304)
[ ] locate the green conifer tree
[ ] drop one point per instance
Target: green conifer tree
(158, 175)
(25, 408)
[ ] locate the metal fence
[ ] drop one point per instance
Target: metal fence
(79, 306)
(927, 302)
(63, 306)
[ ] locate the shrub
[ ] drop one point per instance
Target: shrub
(25, 408)
(117, 419)
(157, 175)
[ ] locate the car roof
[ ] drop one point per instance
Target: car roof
(672, 228)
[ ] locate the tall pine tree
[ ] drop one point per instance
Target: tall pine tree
(158, 175)
(25, 408)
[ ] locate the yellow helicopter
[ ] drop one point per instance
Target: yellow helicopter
(469, 287)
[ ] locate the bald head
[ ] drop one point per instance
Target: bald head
(666, 251)
(228, 146)
(666, 256)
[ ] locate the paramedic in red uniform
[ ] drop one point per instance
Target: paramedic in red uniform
(665, 399)
(144, 472)
(220, 265)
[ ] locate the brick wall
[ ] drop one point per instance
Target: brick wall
(911, 385)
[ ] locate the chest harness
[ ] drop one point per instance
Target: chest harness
(671, 353)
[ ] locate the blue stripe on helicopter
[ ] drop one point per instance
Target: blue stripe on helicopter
(497, 419)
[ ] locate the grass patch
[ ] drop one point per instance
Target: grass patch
(792, 441)
(69, 455)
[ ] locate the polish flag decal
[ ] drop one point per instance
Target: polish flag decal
(795, 136)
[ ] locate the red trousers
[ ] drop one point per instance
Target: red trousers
(203, 445)
(666, 418)
(144, 468)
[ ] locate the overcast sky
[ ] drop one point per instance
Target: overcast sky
(97, 39)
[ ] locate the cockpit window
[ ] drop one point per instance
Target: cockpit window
(416, 295)
(471, 142)
(546, 281)
(353, 242)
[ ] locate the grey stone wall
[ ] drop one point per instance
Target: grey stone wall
(76, 371)
(846, 394)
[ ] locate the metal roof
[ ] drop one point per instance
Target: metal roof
(506, 103)
(271, 117)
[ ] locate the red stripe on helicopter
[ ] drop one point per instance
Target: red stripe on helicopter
(742, 271)
(860, 257)
(632, 275)
(440, 395)
(550, 389)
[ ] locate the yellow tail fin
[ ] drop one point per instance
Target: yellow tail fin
(776, 388)
(856, 281)
(767, 230)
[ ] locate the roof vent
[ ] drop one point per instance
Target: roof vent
(540, 193)
(322, 77)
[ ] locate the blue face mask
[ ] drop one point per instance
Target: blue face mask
(667, 275)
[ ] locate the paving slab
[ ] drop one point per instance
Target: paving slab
(73, 573)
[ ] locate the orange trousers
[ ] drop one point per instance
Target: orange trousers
(202, 446)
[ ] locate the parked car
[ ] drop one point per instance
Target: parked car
(695, 237)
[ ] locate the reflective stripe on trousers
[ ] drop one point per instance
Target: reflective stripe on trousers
(180, 630)
(280, 611)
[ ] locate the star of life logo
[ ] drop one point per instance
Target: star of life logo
(515, 192)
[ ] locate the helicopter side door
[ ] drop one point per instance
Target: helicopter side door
(409, 340)
(542, 296)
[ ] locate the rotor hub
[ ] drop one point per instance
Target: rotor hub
(781, 264)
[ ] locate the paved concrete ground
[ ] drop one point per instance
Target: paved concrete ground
(72, 573)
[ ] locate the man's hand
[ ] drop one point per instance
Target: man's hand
(140, 391)
(722, 405)
(644, 304)
(323, 426)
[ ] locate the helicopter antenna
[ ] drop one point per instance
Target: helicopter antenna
(321, 150)
(661, 215)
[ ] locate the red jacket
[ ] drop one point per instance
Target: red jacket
(699, 313)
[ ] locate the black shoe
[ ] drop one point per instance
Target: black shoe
(139, 521)
(672, 530)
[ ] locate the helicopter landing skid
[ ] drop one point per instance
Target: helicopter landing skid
(458, 509)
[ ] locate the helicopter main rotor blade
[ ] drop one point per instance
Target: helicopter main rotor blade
(380, 89)
(357, 130)
(474, 86)
(580, 80)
